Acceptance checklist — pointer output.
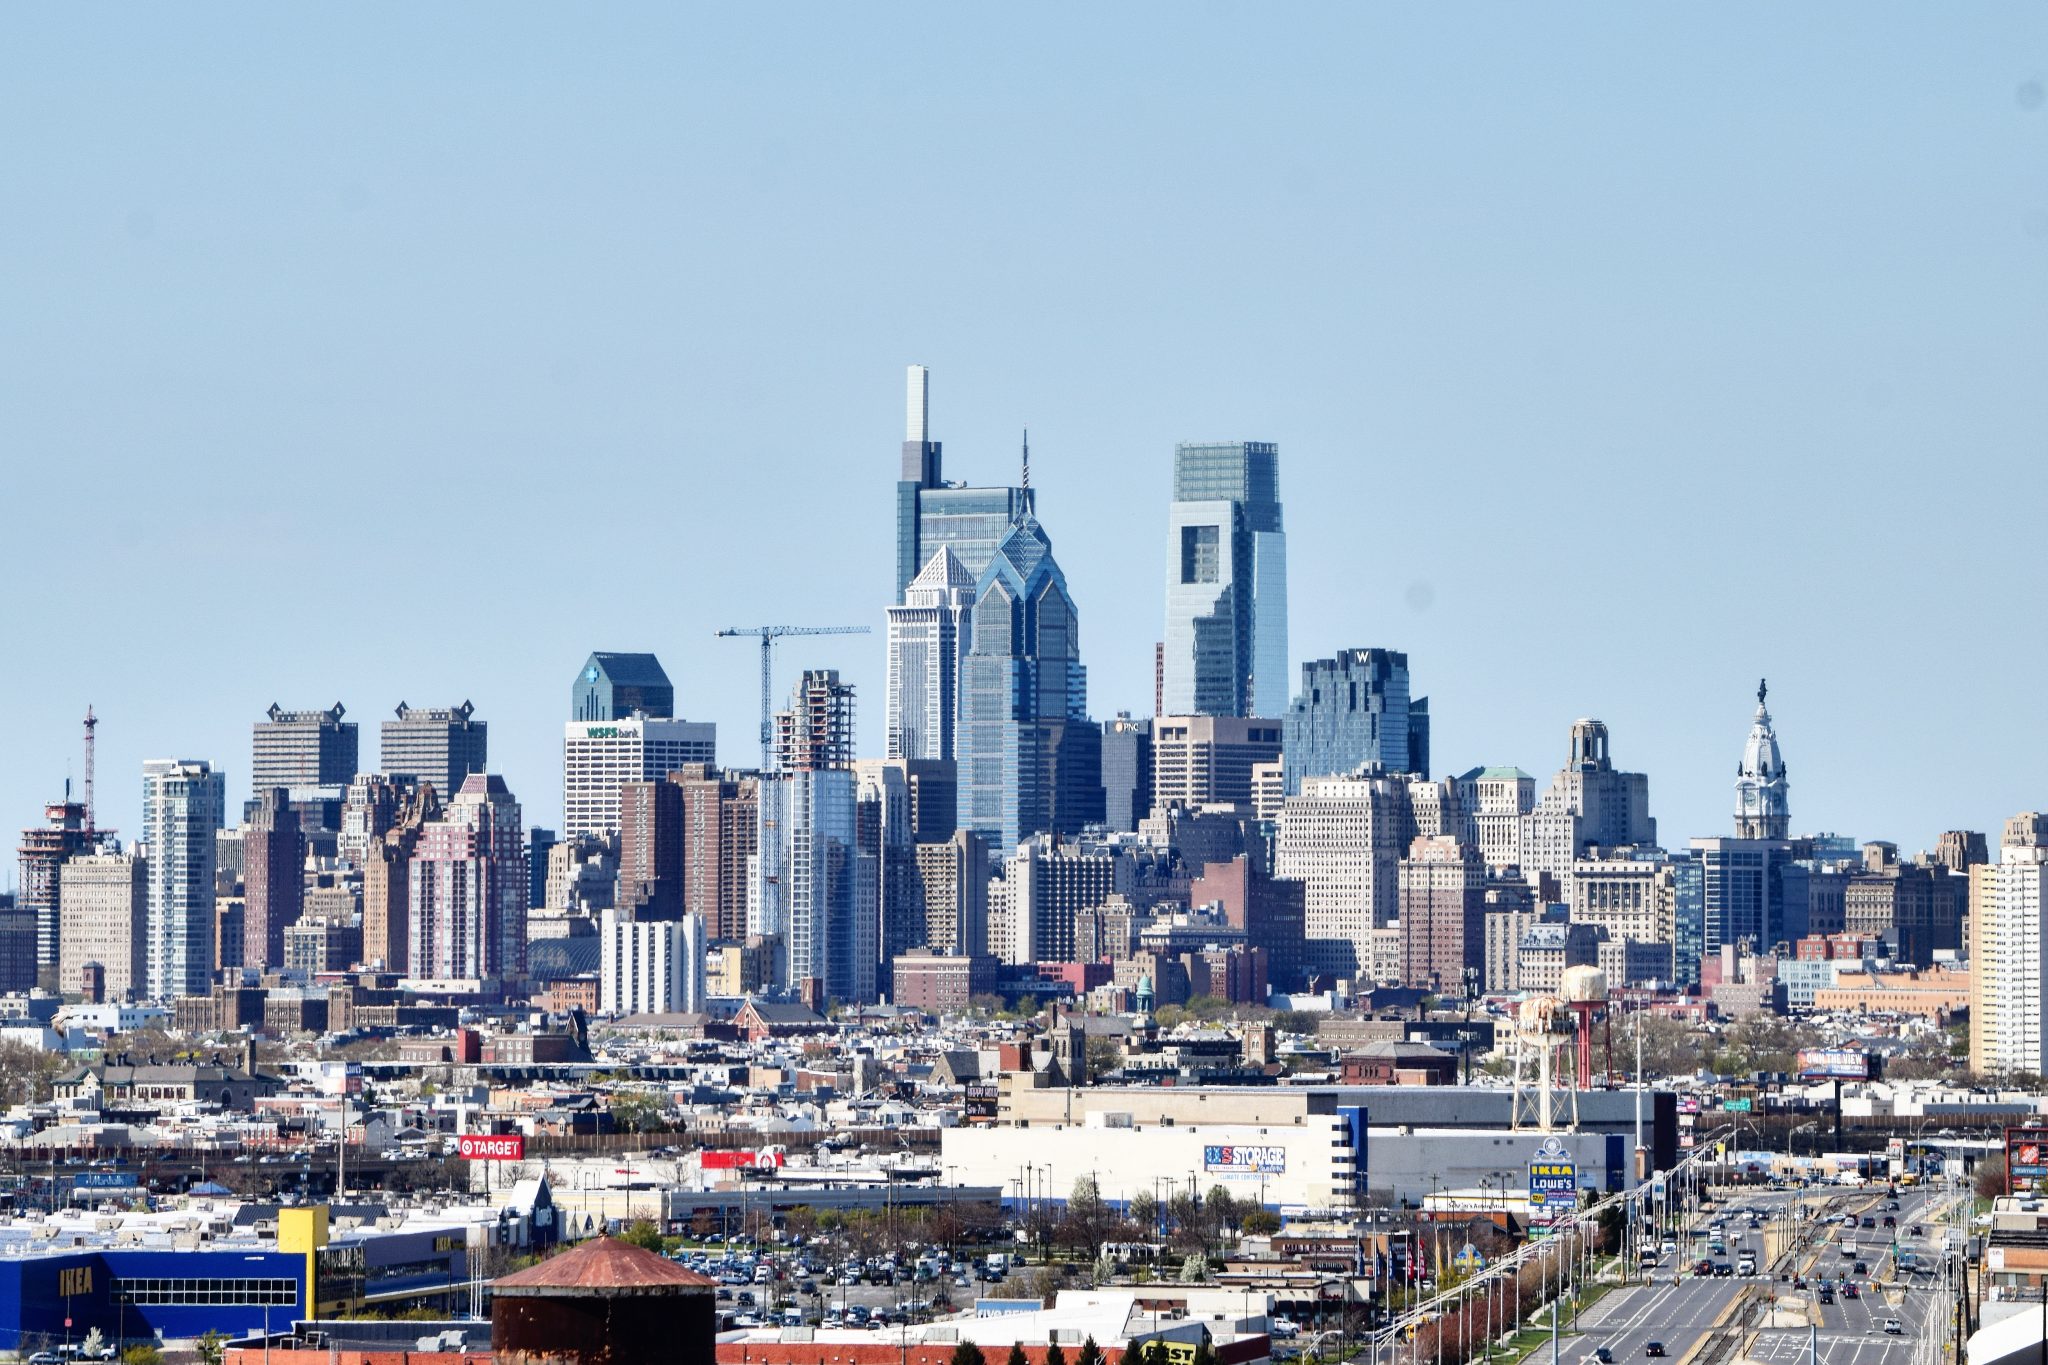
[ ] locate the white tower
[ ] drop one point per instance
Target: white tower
(1762, 795)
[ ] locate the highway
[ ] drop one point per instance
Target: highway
(1680, 1310)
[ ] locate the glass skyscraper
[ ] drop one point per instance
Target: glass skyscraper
(1353, 709)
(930, 513)
(1225, 651)
(1022, 683)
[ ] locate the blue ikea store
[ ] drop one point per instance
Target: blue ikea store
(52, 1297)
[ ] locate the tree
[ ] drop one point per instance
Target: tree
(633, 1112)
(1089, 1354)
(27, 1073)
(1194, 1270)
(1294, 1021)
(1990, 1177)
(143, 1354)
(1205, 1354)
(967, 1353)
(96, 1341)
(1925, 1058)
(1261, 1223)
(1145, 1212)
(1105, 1055)
(643, 1233)
(1054, 1355)
(1134, 1354)
(1017, 1356)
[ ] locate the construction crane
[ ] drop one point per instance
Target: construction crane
(91, 723)
(768, 635)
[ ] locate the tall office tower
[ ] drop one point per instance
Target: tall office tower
(932, 514)
(106, 907)
(1048, 883)
(367, 810)
(1344, 837)
(466, 908)
(928, 634)
(538, 842)
(650, 966)
(1511, 909)
(721, 832)
(184, 802)
(1126, 771)
(1442, 889)
(437, 744)
(952, 883)
(300, 750)
(1588, 804)
(651, 867)
(1270, 910)
(883, 834)
(1959, 850)
(1202, 760)
(387, 880)
(1493, 802)
(44, 850)
(274, 878)
(1917, 909)
(2009, 955)
(1633, 899)
(18, 969)
(1225, 652)
(621, 686)
(815, 890)
(1762, 795)
(1023, 677)
(1073, 775)
(1355, 709)
(600, 757)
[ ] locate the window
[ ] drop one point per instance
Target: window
(188, 1292)
(1200, 554)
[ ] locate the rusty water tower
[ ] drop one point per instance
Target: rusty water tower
(605, 1302)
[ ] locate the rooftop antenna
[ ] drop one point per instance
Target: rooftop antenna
(91, 722)
(1027, 457)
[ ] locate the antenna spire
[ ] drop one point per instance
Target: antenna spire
(1027, 457)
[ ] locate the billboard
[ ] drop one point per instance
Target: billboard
(2026, 1154)
(1269, 1159)
(103, 1180)
(491, 1147)
(1553, 1177)
(1834, 1064)
(742, 1159)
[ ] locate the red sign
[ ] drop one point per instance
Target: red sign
(491, 1147)
(746, 1159)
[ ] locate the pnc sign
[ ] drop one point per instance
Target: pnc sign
(491, 1147)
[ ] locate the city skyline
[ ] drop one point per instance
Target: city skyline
(1579, 356)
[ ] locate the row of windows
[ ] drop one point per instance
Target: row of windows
(281, 1292)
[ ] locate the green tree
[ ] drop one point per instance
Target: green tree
(967, 1353)
(211, 1347)
(1260, 1223)
(1145, 1213)
(1089, 1354)
(1054, 1355)
(1205, 1354)
(1134, 1354)
(642, 1233)
(633, 1112)
(1017, 1356)
(1105, 1055)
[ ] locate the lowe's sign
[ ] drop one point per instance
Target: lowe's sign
(1249, 1160)
(1553, 1177)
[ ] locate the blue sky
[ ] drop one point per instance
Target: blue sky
(1617, 355)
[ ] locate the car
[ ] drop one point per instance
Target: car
(1283, 1328)
(1890, 1221)
(1722, 1270)
(1914, 1231)
(1653, 1349)
(1703, 1267)
(1893, 1327)
(1893, 1205)
(1868, 1221)
(1603, 1355)
(1850, 1291)
(1861, 1268)
(1826, 1295)
(1799, 1282)
(46, 1358)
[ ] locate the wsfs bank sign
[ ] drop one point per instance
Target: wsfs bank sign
(1261, 1160)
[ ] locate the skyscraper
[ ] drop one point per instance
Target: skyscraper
(599, 757)
(184, 803)
(1355, 709)
(1208, 760)
(928, 636)
(387, 879)
(437, 744)
(1344, 837)
(1023, 677)
(1126, 771)
(816, 891)
(1443, 914)
(1762, 794)
(930, 513)
(651, 850)
(468, 888)
(1225, 652)
(44, 849)
(1590, 803)
(721, 835)
(618, 686)
(2009, 954)
(650, 966)
(301, 750)
(106, 906)
(273, 877)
